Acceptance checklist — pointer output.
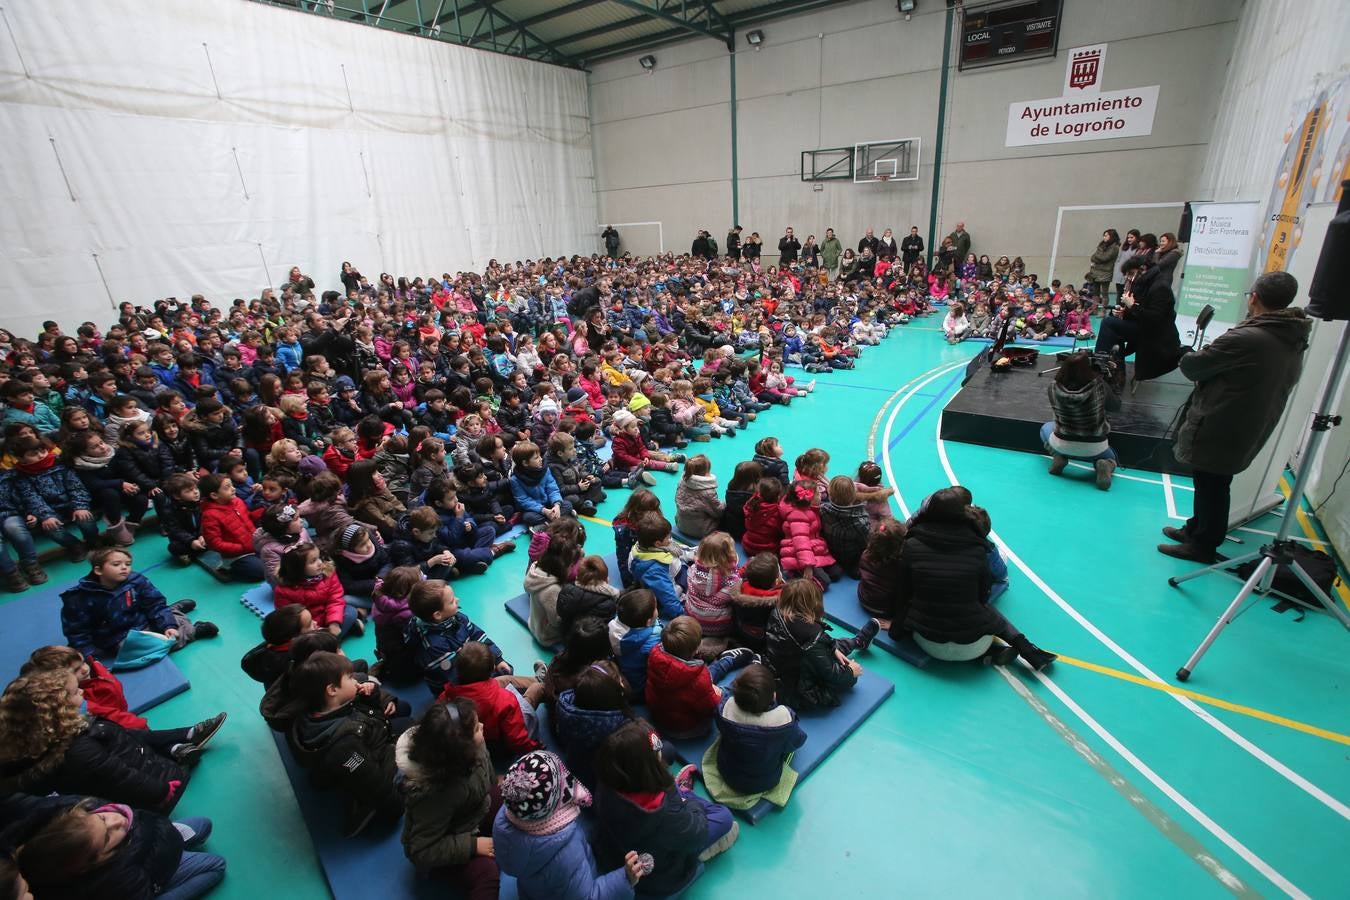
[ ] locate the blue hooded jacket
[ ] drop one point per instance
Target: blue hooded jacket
(533, 492)
(557, 866)
(580, 732)
(434, 646)
(96, 619)
(750, 757)
(651, 569)
(54, 493)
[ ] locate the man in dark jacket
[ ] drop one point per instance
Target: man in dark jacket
(611, 238)
(1242, 382)
(699, 249)
(911, 248)
(734, 242)
(1148, 322)
(869, 241)
(960, 242)
(788, 248)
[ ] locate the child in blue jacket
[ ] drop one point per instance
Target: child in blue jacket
(654, 565)
(55, 497)
(437, 632)
(474, 545)
(533, 487)
(632, 635)
(111, 601)
(756, 734)
(14, 521)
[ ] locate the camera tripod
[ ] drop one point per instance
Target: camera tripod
(1279, 552)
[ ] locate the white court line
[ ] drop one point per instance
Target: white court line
(1167, 494)
(1289, 774)
(1199, 816)
(1140, 478)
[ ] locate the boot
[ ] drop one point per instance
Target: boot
(702, 437)
(33, 572)
(1105, 469)
(1057, 463)
(649, 479)
(132, 528)
(117, 533)
(15, 583)
(998, 654)
(1037, 658)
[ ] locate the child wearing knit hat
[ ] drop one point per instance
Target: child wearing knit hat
(536, 837)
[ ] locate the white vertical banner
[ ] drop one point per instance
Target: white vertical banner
(1217, 268)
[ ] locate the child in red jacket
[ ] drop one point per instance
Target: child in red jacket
(681, 691)
(631, 454)
(228, 530)
(510, 724)
(764, 518)
(102, 691)
(304, 577)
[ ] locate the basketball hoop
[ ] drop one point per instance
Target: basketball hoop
(883, 178)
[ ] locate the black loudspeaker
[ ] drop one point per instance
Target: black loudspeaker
(1329, 296)
(1184, 227)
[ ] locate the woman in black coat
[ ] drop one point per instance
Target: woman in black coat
(1148, 323)
(943, 588)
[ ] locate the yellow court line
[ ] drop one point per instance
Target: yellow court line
(1342, 589)
(1206, 699)
(594, 519)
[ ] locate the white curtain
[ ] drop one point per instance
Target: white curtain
(159, 148)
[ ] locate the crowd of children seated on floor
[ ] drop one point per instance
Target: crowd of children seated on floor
(361, 452)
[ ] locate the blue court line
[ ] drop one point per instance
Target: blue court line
(864, 387)
(909, 426)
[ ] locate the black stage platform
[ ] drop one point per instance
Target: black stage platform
(1007, 410)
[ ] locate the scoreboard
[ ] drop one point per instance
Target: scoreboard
(1008, 31)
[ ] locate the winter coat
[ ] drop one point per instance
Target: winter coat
(846, 529)
(698, 510)
(763, 528)
(568, 475)
(359, 577)
(210, 442)
(327, 521)
(674, 833)
(801, 654)
(381, 510)
(878, 586)
(337, 462)
(396, 469)
(420, 479)
(750, 610)
(632, 647)
(535, 490)
(1102, 264)
(751, 753)
(708, 599)
(182, 524)
(53, 493)
(104, 760)
(227, 527)
(575, 601)
(543, 589)
(434, 646)
(1156, 344)
(1243, 380)
(628, 450)
(265, 663)
(830, 251)
(556, 866)
(680, 694)
(269, 550)
(802, 546)
(323, 596)
(733, 513)
(441, 813)
(651, 569)
(146, 467)
(351, 750)
(104, 695)
(580, 732)
(499, 713)
(944, 584)
(96, 619)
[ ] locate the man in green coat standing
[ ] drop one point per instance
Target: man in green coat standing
(1242, 382)
(961, 241)
(830, 251)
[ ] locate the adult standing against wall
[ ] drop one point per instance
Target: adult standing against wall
(1102, 264)
(1128, 249)
(611, 238)
(960, 242)
(811, 252)
(1243, 380)
(911, 248)
(734, 242)
(830, 252)
(751, 250)
(869, 242)
(699, 249)
(886, 247)
(788, 248)
(1167, 256)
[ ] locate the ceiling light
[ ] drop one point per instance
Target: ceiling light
(754, 38)
(906, 6)
(647, 62)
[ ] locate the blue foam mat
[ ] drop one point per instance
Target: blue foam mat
(258, 600)
(826, 730)
(34, 620)
(518, 608)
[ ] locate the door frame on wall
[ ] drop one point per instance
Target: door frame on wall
(660, 231)
(1059, 222)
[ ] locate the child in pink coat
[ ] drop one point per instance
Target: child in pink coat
(802, 551)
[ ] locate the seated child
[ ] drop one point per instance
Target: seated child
(438, 630)
(756, 735)
(344, 737)
(844, 524)
(305, 577)
(955, 326)
(681, 691)
(475, 546)
(266, 662)
(754, 599)
(812, 668)
(640, 502)
(876, 498)
(228, 529)
(1077, 322)
(712, 582)
(54, 495)
(447, 788)
(360, 560)
(590, 594)
(391, 614)
(655, 567)
(764, 518)
(802, 551)
(633, 633)
(101, 691)
(533, 488)
(279, 528)
(505, 704)
(698, 509)
(584, 715)
(326, 511)
(112, 601)
(580, 490)
(423, 546)
(180, 518)
(478, 498)
(341, 452)
(587, 642)
(739, 491)
(879, 571)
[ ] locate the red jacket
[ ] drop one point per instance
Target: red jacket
(227, 527)
(680, 694)
(628, 449)
(103, 693)
(337, 462)
(324, 598)
(763, 528)
(802, 545)
(594, 392)
(499, 711)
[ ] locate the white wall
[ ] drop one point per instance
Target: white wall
(859, 72)
(468, 154)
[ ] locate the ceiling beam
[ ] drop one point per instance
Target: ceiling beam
(646, 41)
(656, 11)
(559, 11)
(602, 29)
(525, 33)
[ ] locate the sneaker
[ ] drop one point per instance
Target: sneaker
(502, 547)
(1105, 469)
(186, 605)
(684, 780)
(358, 628)
(186, 755)
(15, 583)
(194, 830)
(535, 529)
(679, 458)
(183, 560)
(634, 479)
(1174, 534)
(701, 438)
(201, 733)
(540, 669)
(205, 630)
(722, 844)
(1057, 463)
(811, 385)
(33, 572)
(738, 653)
(731, 432)
(867, 633)
(647, 478)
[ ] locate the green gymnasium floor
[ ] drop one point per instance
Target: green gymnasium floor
(968, 782)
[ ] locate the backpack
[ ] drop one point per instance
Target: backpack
(1318, 566)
